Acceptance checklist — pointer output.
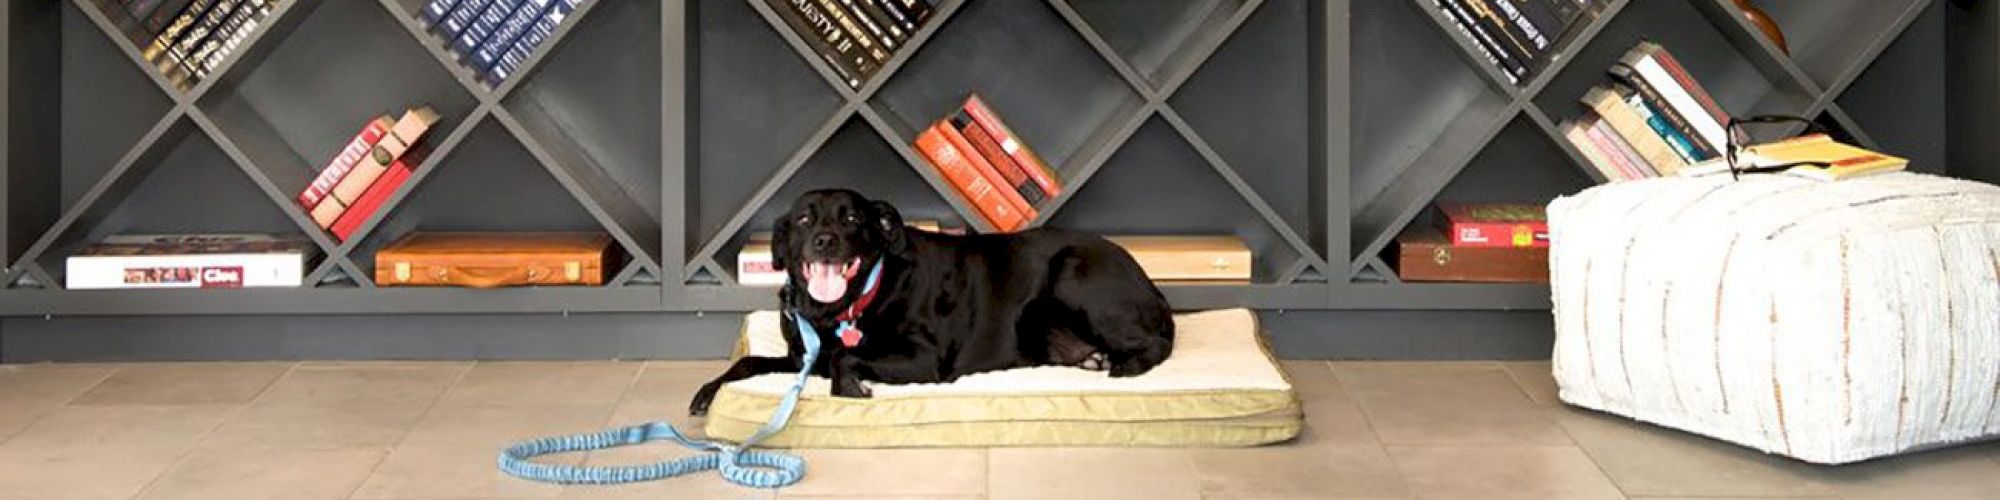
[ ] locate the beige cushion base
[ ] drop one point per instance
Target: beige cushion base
(1221, 387)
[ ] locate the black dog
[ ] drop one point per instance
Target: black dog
(948, 306)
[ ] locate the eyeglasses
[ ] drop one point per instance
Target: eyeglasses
(1739, 141)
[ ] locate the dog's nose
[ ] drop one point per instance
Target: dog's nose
(823, 241)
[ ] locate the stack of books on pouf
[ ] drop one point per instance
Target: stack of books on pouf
(1477, 243)
(192, 261)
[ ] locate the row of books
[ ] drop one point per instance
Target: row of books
(495, 37)
(1477, 243)
(360, 179)
(855, 37)
(1514, 34)
(1652, 119)
(1165, 258)
(989, 165)
(187, 40)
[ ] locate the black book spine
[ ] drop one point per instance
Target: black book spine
(915, 11)
(1651, 95)
(1536, 19)
(898, 16)
(1524, 40)
(184, 54)
(852, 27)
(839, 51)
(234, 29)
(879, 22)
(1515, 68)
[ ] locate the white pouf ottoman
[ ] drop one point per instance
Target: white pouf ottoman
(1829, 322)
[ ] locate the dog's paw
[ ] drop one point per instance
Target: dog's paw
(1130, 368)
(856, 390)
(1096, 362)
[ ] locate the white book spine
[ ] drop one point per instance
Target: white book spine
(185, 271)
(1683, 103)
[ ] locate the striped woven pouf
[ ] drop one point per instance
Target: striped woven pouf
(1829, 322)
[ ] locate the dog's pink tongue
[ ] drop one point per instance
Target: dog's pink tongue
(825, 282)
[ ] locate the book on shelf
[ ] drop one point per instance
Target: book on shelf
(1651, 119)
(508, 32)
(191, 261)
(1013, 145)
(517, 52)
(482, 26)
(1011, 173)
(957, 168)
(1514, 35)
(843, 53)
(1844, 161)
(1494, 224)
(186, 40)
(463, 14)
(371, 201)
(1424, 254)
(986, 169)
(362, 162)
(879, 22)
(870, 46)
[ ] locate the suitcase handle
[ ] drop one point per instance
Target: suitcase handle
(488, 277)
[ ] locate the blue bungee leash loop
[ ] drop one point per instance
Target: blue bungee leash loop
(738, 463)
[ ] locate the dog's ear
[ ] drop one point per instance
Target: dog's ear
(781, 242)
(890, 223)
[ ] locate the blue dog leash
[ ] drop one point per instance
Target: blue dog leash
(738, 463)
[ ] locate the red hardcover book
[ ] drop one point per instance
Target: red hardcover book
(1016, 177)
(358, 147)
(1013, 145)
(1495, 224)
(986, 169)
(959, 172)
(371, 201)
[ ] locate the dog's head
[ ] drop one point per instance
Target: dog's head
(829, 239)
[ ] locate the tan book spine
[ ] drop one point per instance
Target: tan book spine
(1627, 123)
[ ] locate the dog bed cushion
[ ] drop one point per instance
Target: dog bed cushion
(1221, 387)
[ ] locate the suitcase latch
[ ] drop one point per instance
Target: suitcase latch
(1220, 264)
(402, 271)
(573, 270)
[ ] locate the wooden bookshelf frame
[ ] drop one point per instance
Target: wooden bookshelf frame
(1350, 158)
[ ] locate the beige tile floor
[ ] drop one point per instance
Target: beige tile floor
(302, 431)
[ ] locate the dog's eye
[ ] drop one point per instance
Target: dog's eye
(851, 219)
(803, 220)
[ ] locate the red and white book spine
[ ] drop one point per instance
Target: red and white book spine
(1013, 145)
(371, 201)
(356, 149)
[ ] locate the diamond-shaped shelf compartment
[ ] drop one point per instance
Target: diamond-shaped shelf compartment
(1520, 165)
(1881, 105)
(1157, 184)
(1831, 40)
(488, 182)
(1164, 41)
(103, 120)
(272, 20)
(181, 183)
(762, 114)
(1733, 64)
(1033, 68)
(291, 112)
(854, 158)
(591, 111)
(1414, 95)
(1254, 77)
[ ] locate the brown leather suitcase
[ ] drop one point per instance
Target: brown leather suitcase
(1424, 254)
(490, 260)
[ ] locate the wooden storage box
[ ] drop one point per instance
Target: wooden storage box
(1424, 254)
(1190, 258)
(489, 260)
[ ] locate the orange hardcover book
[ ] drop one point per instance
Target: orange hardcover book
(984, 196)
(1012, 144)
(987, 170)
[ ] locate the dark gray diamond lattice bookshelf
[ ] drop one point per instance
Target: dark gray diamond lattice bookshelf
(1316, 130)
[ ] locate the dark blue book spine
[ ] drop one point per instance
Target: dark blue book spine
(496, 46)
(462, 16)
(436, 10)
(525, 46)
(483, 27)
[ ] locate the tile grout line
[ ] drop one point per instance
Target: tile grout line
(65, 402)
(391, 449)
(1380, 445)
(194, 445)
